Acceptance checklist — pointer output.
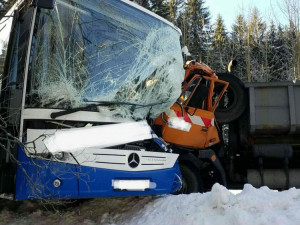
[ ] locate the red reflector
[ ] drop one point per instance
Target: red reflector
(213, 158)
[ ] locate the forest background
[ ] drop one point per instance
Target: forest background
(265, 50)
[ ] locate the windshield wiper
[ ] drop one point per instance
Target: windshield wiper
(100, 103)
(69, 111)
(108, 103)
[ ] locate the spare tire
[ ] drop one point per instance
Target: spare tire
(233, 102)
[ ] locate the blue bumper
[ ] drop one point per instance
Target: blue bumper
(34, 180)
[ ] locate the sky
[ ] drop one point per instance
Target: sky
(229, 9)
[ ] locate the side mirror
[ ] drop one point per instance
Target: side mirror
(44, 4)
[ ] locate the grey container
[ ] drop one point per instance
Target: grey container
(274, 107)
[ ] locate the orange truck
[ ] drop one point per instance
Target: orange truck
(233, 133)
(195, 106)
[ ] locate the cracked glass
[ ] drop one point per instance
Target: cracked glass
(104, 51)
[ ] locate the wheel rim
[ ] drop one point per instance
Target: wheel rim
(184, 187)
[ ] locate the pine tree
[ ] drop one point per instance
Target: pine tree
(282, 64)
(219, 36)
(197, 18)
(160, 7)
(272, 60)
(219, 43)
(144, 3)
(181, 22)
(173, 10)
(239, 32)
(292, 39)
(255, 43)
(238, 44)
(291, 9)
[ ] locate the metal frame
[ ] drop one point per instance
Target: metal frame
(26, 72)
(213, 80)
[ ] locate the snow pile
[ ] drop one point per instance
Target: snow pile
(251, 206)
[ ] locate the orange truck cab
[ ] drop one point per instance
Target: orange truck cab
(190, 122)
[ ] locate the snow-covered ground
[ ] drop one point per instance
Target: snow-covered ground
(220, 206)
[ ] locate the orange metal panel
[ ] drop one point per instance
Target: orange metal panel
(199, 136)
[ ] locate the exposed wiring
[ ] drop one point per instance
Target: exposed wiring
(191, 114)
(74, 158)
(181, 107)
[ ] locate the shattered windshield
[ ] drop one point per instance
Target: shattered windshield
(99, 50)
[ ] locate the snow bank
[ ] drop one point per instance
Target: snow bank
(252, 206)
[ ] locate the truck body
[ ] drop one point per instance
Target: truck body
(84, 72)
(272, 138)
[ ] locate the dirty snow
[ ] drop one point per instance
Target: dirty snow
(220, 206)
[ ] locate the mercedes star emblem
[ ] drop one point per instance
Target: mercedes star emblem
(133, 160)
